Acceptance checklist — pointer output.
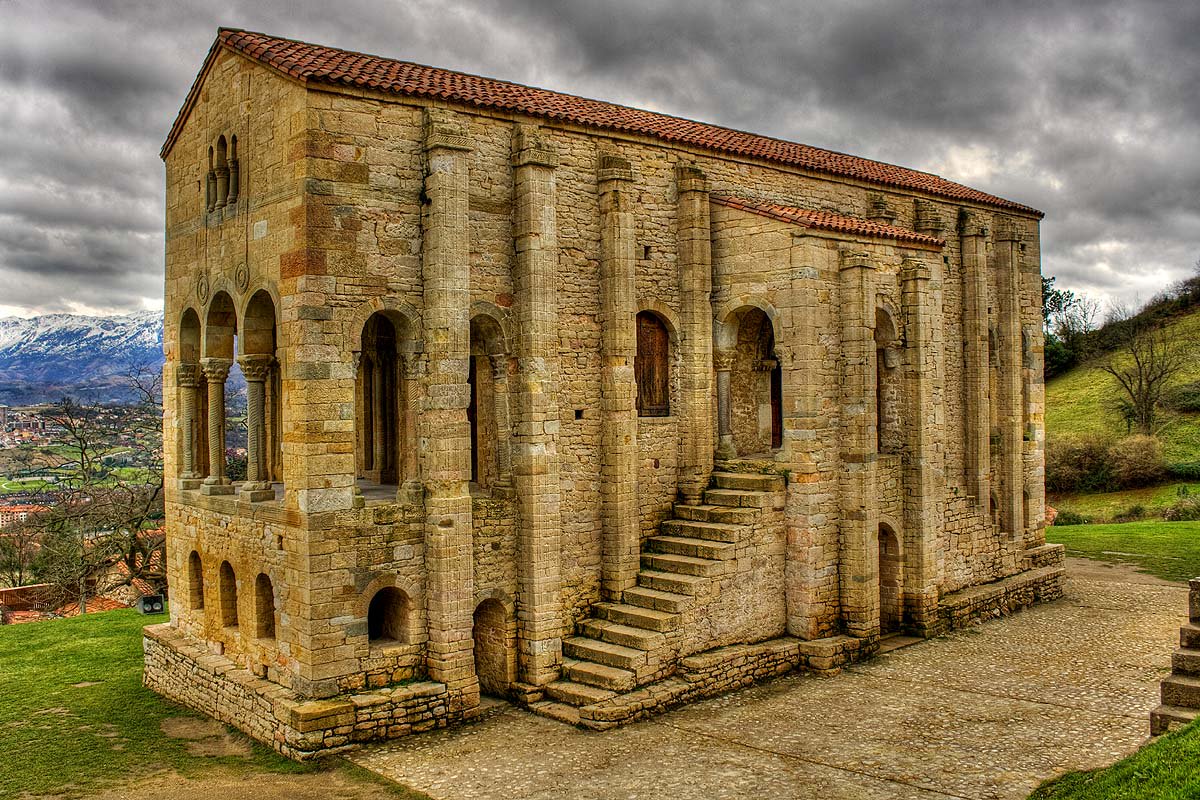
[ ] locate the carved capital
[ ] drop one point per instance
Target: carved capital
(530, 148)
(1008, 230)
(928, 220)
(216, 369)
(970, 223)
(187, 376)
(912, 269)
(613, 168)
(690, 178)
(881, 211)
(444, 131)
(851, 260)
(256, 366)
(723, 360)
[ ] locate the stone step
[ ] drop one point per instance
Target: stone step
(1180, 690)
(755, 482)
(624, 635)
(696, 529)
(607, 653)
(637, 616)
(685, 565)
(559, 711)
(577, 694)
(1189, 636)
(669, 602)
(1163, 718)
(1185, 661)
(672, 582)
(719, 514)
(739, 498)
(688, 546)
(599, 675)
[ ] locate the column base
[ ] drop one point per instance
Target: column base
(725, 449)
(189, 484)
(216, 488)
(254, 493)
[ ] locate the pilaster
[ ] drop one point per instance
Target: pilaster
(535, 411)
(696, 331)
(925, 478)
(1011, 469)
(445, 432)
(621, 547)
(977, 417)
(857, 558)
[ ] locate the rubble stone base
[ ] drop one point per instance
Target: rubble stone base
(180, 670)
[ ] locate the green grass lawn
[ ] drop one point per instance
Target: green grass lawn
(75, 717)
(1104, 506)
(1170, 550)
(1167, 769)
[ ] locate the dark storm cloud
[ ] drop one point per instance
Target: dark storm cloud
(1087, 110)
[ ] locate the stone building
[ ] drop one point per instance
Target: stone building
(593, 408)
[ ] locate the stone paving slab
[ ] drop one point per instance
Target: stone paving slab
(985, 713)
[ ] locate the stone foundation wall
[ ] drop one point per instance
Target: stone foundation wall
(999, 599)
(297, 728)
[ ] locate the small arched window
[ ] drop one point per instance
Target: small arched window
(652, 366)
(264, 607)
(388, 615)
(195, 581)
(229, 598)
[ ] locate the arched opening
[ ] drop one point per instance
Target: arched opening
(210, 183)
(222, 171)
(264, 607)
(195, 582)
(889, 580)
(652, 366)
(263, 388)
(227, 585)
(192, 400)
(234, 176)
(756, 387)
(380, 399)
(487, 409)
(495, 647)
(220, 332)
(889, 432)
(388, 616)
(994, 511)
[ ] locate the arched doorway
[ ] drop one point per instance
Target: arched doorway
(487, 409)
(756, 387)
(494, 633)
(379, 401)
(889, 580)
(889, 434)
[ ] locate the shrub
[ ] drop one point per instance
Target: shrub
(1184, 509)
(1137, 461)
(1184, 471)
(1078, 464)
(1183, 398)
(1131, 514)
(1070, 518)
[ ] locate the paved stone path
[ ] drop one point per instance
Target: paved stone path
(985, 713)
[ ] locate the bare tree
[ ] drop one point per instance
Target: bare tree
(1145, 365)
(19, 546)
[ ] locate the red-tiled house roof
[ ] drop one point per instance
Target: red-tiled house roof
(829, 221)
(311, 63)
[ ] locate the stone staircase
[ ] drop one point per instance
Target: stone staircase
(1180, 691)
(627, 644)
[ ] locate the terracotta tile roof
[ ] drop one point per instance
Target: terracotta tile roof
(311, 63)
(829, 221)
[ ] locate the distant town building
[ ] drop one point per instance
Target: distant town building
(11, 514)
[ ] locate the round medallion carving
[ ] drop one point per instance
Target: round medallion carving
(242, 277)
(202, 288)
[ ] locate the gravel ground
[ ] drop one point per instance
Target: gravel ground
(988, 712)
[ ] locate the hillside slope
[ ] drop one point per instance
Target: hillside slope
(1081, 401)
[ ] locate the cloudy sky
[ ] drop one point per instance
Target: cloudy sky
(1086, 109)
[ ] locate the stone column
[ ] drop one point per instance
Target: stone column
(503, 480)
(977, 417)
(695, 336)
(723, 365)
(222, 173)
(188, 378)
(621, 547)
(535, 411)
(858, 568)
(257, 369)
(216, 370)
(410, 491)
(378, 411)
(924, 473)
(445, 432)
(1011, 470)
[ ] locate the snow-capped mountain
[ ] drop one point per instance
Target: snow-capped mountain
(44, 358)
